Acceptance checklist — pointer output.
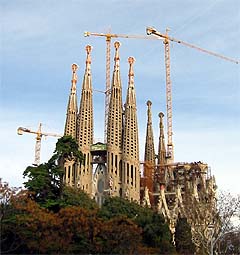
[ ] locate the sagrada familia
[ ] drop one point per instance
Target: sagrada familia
(112, 168)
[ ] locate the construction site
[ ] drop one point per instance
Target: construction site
(112, 167)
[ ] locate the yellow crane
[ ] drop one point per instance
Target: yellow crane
(39, 136)
(167, 39)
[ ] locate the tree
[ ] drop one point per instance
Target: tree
(228, 213)
(183, 237)
(7, 194)
(229, 243)
(9, 239)
(46, 180)
(120, 235)
(33, 229)
(76, 197)
(155, 232)
(66, 147)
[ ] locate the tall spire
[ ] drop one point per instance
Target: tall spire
(117, 58)
(85, 116)
(131, 97)
(85, 127)
(114, 127)
(130, 139)
(149, 157)
(161, 145)
(131, 176)
(71, 119)
(149, 144)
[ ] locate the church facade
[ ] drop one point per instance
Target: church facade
(174, 189)
(110, 168)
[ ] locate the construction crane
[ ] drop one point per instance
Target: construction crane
(39, 136)
(108, 37)
(166, 39)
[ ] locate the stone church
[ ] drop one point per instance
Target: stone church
(174, 189)
(110, 168)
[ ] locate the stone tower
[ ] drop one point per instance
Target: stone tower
(70, 165)
(72, 109)
(85, 128)
(149, 144)
(161, 144)
(149, 161)
(115, 128)
(115, 163)
(130, 153)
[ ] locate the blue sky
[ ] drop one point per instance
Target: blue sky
(41, 39)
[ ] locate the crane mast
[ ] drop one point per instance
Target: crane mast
(39, 134)
(108, 84)
(38, 145)
(170, 153)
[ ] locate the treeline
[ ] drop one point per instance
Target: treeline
(80, 227)
(48, 218)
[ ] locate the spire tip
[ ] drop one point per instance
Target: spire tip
(131, 60)
(117, 44)
(149, 103)
(88, 49)
(88, 60)
(74, 67)
(160, 115)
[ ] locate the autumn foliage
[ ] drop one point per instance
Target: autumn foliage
(29, 228)
(48, 218)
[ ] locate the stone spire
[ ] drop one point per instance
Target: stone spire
(85, 126)
(149, 144)
(161, 145)
(149, 157)
(114, 127)
(71, 119)
(85, 116)
(130, 156)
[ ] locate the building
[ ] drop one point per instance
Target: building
(110, 168)
(113, 168)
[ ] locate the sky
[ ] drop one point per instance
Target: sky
(41, 39)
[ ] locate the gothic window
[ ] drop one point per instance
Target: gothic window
(69, 170)
(131, 174)
(116, 161)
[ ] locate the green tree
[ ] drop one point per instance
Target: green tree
(155, 232)
(66, 148)
(76, 197)
(46, 180)
(183, 237)
(116, 206)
